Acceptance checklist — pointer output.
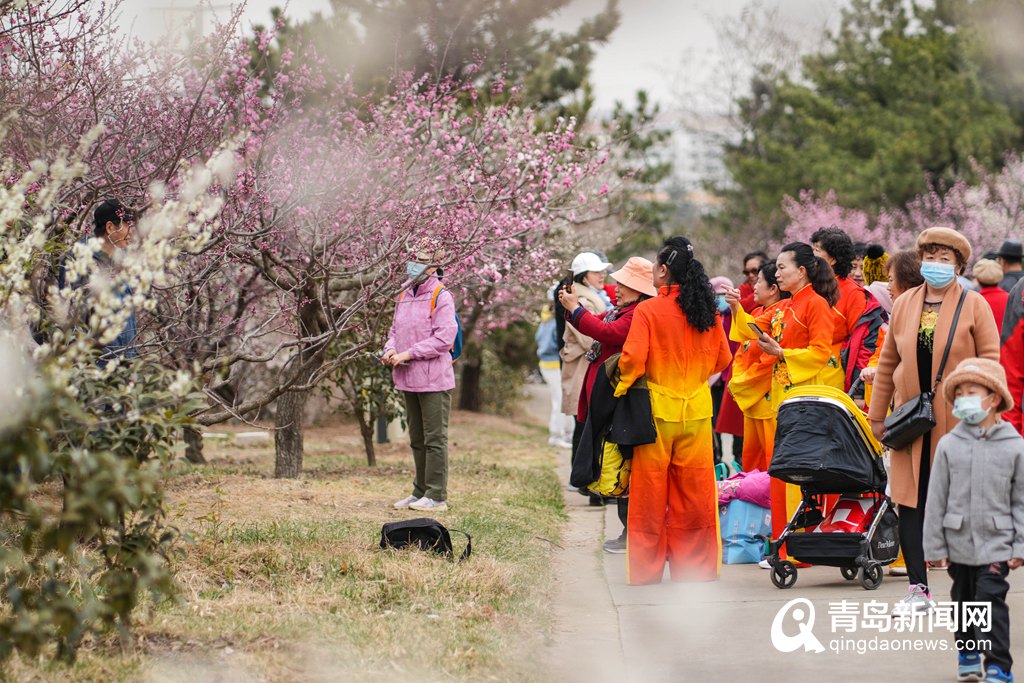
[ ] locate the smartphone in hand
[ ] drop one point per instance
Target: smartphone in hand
(567, 281)
(755, 329)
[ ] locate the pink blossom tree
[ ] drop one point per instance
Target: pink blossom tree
(986, 212)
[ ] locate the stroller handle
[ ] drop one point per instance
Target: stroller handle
(857, 384)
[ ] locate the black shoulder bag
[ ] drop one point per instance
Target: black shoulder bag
(916, 417)
(424, 533)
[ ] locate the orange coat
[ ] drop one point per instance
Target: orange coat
(751, 383)
(676, 359)
(803, 325)
(853, 299)
(896, 381)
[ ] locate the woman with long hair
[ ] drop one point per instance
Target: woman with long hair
(751, 383)
(797, 335)
(677, 342)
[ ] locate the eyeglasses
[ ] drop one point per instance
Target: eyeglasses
(752, 271)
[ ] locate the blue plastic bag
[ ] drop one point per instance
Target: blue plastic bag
(745, 527)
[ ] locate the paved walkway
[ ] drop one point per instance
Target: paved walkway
(721, 631)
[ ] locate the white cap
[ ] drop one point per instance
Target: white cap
(586, 262)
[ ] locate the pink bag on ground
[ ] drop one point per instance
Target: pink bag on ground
(752, 487)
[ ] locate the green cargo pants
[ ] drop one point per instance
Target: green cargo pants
(427, 416)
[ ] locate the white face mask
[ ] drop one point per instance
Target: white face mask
(969, 409)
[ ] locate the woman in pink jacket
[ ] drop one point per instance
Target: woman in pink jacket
(419, 349)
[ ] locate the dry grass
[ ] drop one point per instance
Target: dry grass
(284, 580)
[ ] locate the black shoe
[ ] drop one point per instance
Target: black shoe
(596, 501)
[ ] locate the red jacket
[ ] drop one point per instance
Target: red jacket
(611, 335)
(747, 299)
(864, 340)
(1011, 354)
(996, 298)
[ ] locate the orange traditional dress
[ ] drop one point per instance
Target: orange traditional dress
(847, 311)
(803, 326)
(751, 389)
(676, 473)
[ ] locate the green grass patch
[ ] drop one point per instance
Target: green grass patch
(284, 580)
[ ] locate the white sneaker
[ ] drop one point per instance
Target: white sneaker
(763, 564)
(429, 504)
(897, 571)
(404, 503)
(919, 599)
(559, 443)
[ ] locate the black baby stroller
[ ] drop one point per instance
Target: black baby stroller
(824, 444)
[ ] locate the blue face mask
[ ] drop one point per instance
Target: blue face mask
(938, 274)
(969, 409)
(723, 305)
(415, 270)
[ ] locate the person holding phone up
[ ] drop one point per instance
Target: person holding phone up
(751, 383)
(798, 335)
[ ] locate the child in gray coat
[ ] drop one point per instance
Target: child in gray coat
(974, 522)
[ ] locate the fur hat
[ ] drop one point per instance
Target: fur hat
(987, 373)
(946, 237)
(987, 272)
(875, 266)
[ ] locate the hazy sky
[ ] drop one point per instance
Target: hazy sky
(646, 51)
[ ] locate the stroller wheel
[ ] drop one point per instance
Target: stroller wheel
(871, 576)
(784, 574)
(849, 573)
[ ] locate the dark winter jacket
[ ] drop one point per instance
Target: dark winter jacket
(626, 421)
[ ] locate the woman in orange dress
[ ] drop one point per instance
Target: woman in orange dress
(677, 342)
(798, 336)
(836, 248)
(751, 383)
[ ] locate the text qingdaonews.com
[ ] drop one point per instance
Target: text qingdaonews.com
(864, 645)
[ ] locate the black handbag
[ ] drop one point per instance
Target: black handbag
(425, 534)
(916, 417)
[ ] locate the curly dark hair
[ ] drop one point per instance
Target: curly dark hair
(837, 244)
(823, 280)
(696, 298)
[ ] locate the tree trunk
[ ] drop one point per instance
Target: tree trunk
(291, 405)
(288, 447)
(470, 395)
(366, 430)
(194, 446)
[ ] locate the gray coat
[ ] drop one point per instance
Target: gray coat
(975, 510)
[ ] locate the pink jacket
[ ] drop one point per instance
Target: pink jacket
(428, 339)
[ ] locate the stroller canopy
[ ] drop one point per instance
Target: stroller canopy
(824, 444)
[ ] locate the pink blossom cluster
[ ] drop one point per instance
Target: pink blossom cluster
(330, 193)
(986, 211)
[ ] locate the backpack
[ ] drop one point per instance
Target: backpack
(858, 349)
(456, 349)
(424, 533)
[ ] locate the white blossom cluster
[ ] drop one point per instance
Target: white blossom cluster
(172, 223)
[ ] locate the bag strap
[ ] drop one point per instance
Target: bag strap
(949, 341)
(433, 298)
(469, 545)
